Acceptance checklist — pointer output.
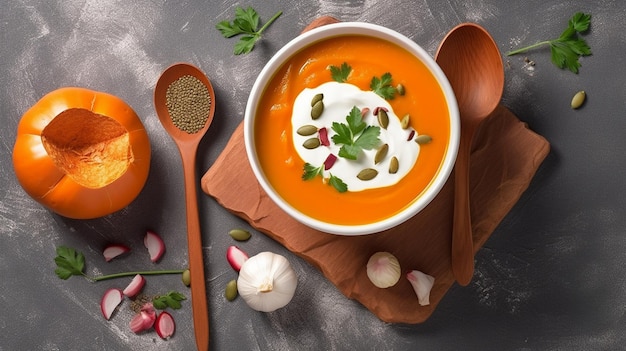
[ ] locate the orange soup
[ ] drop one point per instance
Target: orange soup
(368, 57)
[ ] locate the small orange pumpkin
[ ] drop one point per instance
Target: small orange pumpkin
(81, 153)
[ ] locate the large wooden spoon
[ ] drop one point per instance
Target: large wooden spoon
(187, 143)
(471, 60)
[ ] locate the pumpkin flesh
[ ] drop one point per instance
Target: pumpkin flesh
(90, 148)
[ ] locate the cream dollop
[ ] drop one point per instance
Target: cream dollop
(339, 99)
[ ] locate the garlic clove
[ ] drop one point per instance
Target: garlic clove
(422, 284)
(383, 269)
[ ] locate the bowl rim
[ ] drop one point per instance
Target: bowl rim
(340, 29)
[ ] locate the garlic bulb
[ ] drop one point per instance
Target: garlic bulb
(267, 282)
(383, 269)
(422, 284)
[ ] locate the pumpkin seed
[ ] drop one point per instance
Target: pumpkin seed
(367, 174)
(400, 89)
(230, 293)
(311, 143)
(317, 109)
(404, 122)
(240, 234)
(423, 139)
(381, 153)
(578, 99)
(393, 165)
(307, 130)
(186, 277)
(383, 118)
(316, 98)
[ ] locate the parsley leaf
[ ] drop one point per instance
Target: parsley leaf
(338, 184)
(340, 74)
(311, 171)
(382, 86)
(567, 48)
(246, 22)
(69, 262)
(171, 300)
(355, 136)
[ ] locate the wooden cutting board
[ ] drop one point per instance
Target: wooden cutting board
(505, 157)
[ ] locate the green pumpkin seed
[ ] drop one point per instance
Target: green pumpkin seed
(186, 277)
(383, 118)
(307, 130)
(400, 89)
(230, 293)
(578, 99)
(423, 139)
(404, 122)
(367, 174)
(311, 143)
(381, 153)
(393, 165)
(240, 234)
(316, 98)
(317, 109)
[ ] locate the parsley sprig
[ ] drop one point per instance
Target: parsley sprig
(246, 23)
(71, 262)
(382, 86)
(569, 47)
(340, 74)
(355, 136)
(311, 172)
(172, 300)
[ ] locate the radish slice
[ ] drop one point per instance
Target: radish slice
(236, 257)
(144, 320)
(135, 286)
(330, 161)
(165, 325)
(155, 245)
(422, 283)
(114, 250)
(323, 133)
(111, 299)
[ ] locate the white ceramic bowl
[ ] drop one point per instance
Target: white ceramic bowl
(352, 28)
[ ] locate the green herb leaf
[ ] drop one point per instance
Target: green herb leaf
(382, 86)
(569, 47)
(340, 74)
(69, 262)
(338, 184)
(580, 22)
(246, 22)
(311, 171)
(245, 44)
(355, 136)
(171, 300)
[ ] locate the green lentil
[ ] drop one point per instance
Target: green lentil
(188, 103)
